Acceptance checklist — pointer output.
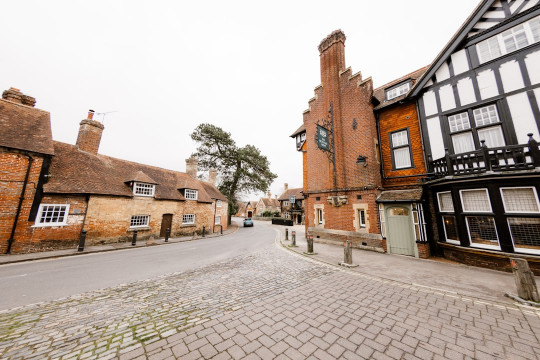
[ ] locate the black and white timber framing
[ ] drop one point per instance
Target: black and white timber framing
(480, 119)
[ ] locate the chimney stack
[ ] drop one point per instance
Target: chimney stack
(269, 195)
(191, 167)
(332, 54)
(212, 176)
(90, 132)
(16, 96)
(286, 186)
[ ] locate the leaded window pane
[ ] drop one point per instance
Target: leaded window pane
(139, 220)
(475, 201)
(482, 230)
(525, 233)
(486, 115)
(188, 219)
(459, 122)
(534, 24)
(450, 227)
(400, 138)
(445, 202)
(520, 200)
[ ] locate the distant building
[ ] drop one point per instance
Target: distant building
(292, 204)
(268, 204)
(51, 191)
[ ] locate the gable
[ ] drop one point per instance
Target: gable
(500, 11)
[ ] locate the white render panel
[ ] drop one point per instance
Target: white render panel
(537, 95)
(448, 101)
(522, 117)
(487, 84)
(515, 5)
(430, 103)
(466, 91)
(459, 62)
(511, 76)
(435, 137)
(533, 67)
(428, 84)
(442, 73)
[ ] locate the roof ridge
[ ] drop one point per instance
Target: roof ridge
(401, 77)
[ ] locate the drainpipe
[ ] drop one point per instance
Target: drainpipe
(214, 224)
(21, 199)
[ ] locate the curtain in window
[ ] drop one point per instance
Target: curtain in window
(402, 158)
(493, 136)
(463, 143)
(475, 201)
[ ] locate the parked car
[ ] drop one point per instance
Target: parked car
(248, 222)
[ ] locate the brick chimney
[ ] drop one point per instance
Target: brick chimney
(269, 195)
(212, 176)
(16, 96)
(286, 186)
(332, 54)
(90, 134)
(191, 167)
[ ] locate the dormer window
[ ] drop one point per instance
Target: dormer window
(398, 90)
(143, 189)
(191, 194)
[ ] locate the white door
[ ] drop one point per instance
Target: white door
(399, 225)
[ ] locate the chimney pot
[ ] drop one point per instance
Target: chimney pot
(90, 114)
(286, 186)
(212, 176)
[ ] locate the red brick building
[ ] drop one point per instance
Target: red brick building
(292, 204)
(51, 191)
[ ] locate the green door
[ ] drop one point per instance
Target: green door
(400, 237)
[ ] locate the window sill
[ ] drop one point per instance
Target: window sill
(48, 225)
(188, 225)
(139, 228)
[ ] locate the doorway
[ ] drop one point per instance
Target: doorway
(166, 223)
(250, 214)
(400, 238)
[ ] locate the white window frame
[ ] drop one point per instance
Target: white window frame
(399, 90)
(285, 203)
(399, 141)
(491, 128)
(361, 221)
(186, 219)
(475, 212)
(382, 220)
(40, 214)
(145, 225)
(217, 221)
(478, 111)
(320, 216)
(499, 39)
(193, 194)
(143, 187)
(439, 202)
(483, 246)
(451, 241)
(520, 212)
(520, 249)
(218, 203)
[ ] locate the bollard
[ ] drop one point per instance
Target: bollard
(134, 241)
(203, 231)
(293, 238)
(82, 239)
(286, 234)
(348, 253)
(221, 229)
(525, 283)
(310, 244)
(167, 234)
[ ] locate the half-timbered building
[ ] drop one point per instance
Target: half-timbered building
(479, 109)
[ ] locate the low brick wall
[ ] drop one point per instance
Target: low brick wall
(487, 259)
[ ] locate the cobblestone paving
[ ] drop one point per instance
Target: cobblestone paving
(270, 304)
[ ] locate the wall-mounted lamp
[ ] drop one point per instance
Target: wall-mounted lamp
(361, 160)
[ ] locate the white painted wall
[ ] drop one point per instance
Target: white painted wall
(435, 137)
(442, 73)
(533, 67)
(487, 84)
(459, 62)
(466, 91)
(430, 103)
(511, 76)
(522, 117)
(446, 94)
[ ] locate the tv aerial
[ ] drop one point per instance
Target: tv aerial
(103, 114)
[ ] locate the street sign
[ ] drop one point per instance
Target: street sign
(322, 138)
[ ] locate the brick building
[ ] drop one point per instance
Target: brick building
(267, 204)
(292, 204)
(69, 188)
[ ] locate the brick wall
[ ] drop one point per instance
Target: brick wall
(394, 118)
(13, 167)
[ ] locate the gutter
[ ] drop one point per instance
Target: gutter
(21, 199)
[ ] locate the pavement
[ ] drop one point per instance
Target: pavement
(434, 273)
(274, 304)
(16, 258)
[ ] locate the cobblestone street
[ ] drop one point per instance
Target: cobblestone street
(270, 304)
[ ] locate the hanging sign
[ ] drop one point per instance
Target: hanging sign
(323, 138)
(292, 199)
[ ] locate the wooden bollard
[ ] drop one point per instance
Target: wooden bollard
(347, 259)
(293, 238)
(524, 277)
(286, 234)
(310, 244)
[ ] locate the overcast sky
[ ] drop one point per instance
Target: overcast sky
(249, 67)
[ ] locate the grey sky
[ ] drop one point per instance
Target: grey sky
(166, 66)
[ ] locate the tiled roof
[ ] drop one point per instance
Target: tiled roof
(301, 129)
(297, 193)
(141, 177)
(400, 195)
(23, 127)
(213, 191)
(270, 202)
(380, 94)
(77, 172)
